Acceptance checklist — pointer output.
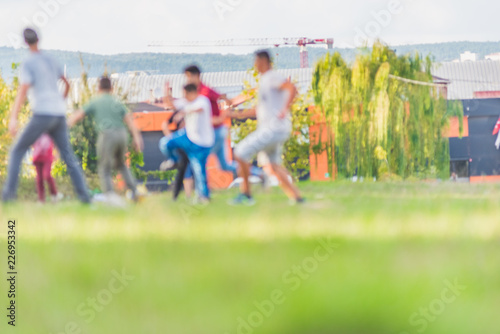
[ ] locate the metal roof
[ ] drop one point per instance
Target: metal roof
(468, 77)
(464, 79)
(149, 87)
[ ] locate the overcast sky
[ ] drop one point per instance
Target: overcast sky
(119, 26)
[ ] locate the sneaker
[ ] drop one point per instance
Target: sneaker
(115, 200)
(56, 198)
(167, 165)
(300, 200)
(242, 199)
(201, 201)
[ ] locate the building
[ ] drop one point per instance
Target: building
(475, 83)
(493, 56)
(468, 56)
(141, 88)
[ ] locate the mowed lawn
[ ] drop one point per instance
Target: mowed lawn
(357, 258)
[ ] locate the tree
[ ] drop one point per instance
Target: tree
(383, 126)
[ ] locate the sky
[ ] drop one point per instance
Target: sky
(123, 26)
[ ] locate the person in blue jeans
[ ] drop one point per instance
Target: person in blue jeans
(221, 131)
(169, 128)
(193, 76)
(40, 74)
(196, 139)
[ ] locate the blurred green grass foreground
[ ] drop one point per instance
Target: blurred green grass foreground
(357, 258)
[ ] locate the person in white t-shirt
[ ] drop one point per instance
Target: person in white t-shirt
(274, 127)
(195, 139)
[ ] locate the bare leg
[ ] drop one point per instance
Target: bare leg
(189, 187)
(289, 188)
(244, 173)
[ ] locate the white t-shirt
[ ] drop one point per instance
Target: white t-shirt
(42, 72)
(199, 128)
(272, 101)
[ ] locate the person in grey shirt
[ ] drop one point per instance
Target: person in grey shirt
(39, 75)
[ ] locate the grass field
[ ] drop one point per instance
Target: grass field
(364, 258)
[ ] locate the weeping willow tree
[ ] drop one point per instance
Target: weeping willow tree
(383, 126)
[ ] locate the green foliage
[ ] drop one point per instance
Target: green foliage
(297, 148)
(137, 160)
(456, 109)
(373, 115)
(8, 93)
(84, 134)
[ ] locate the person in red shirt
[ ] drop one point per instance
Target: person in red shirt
(193, 76)
(42, 159)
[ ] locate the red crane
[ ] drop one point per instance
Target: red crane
(301, 42)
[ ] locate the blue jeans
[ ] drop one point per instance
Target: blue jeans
(162, 144)
(197, 155)
(55, 127)
(219, 149)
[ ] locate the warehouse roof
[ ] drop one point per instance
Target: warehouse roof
(464, 79)
(150, 87)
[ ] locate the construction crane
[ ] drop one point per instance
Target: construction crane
(301, 42)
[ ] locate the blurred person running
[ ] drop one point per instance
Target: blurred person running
(195, 139)
(112, 118)
(274, 127)
(40, 73)
(43, 158)
(221, 131)
(169, 129)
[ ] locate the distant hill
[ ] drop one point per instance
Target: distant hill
(170, 63)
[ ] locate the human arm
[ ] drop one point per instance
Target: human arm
(75, 118)
(245, 113)
(136, 134)
(224, 98)
(66, 86)
(168, 100)
(164, 128)
(18, 104)
(292, 90)
(223, 114)
(183, 112)
(78, 115)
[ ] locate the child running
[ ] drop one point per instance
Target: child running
(112, 118)
(196, 139)
(42, 159)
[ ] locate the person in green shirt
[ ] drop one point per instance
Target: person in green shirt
(112, 118)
